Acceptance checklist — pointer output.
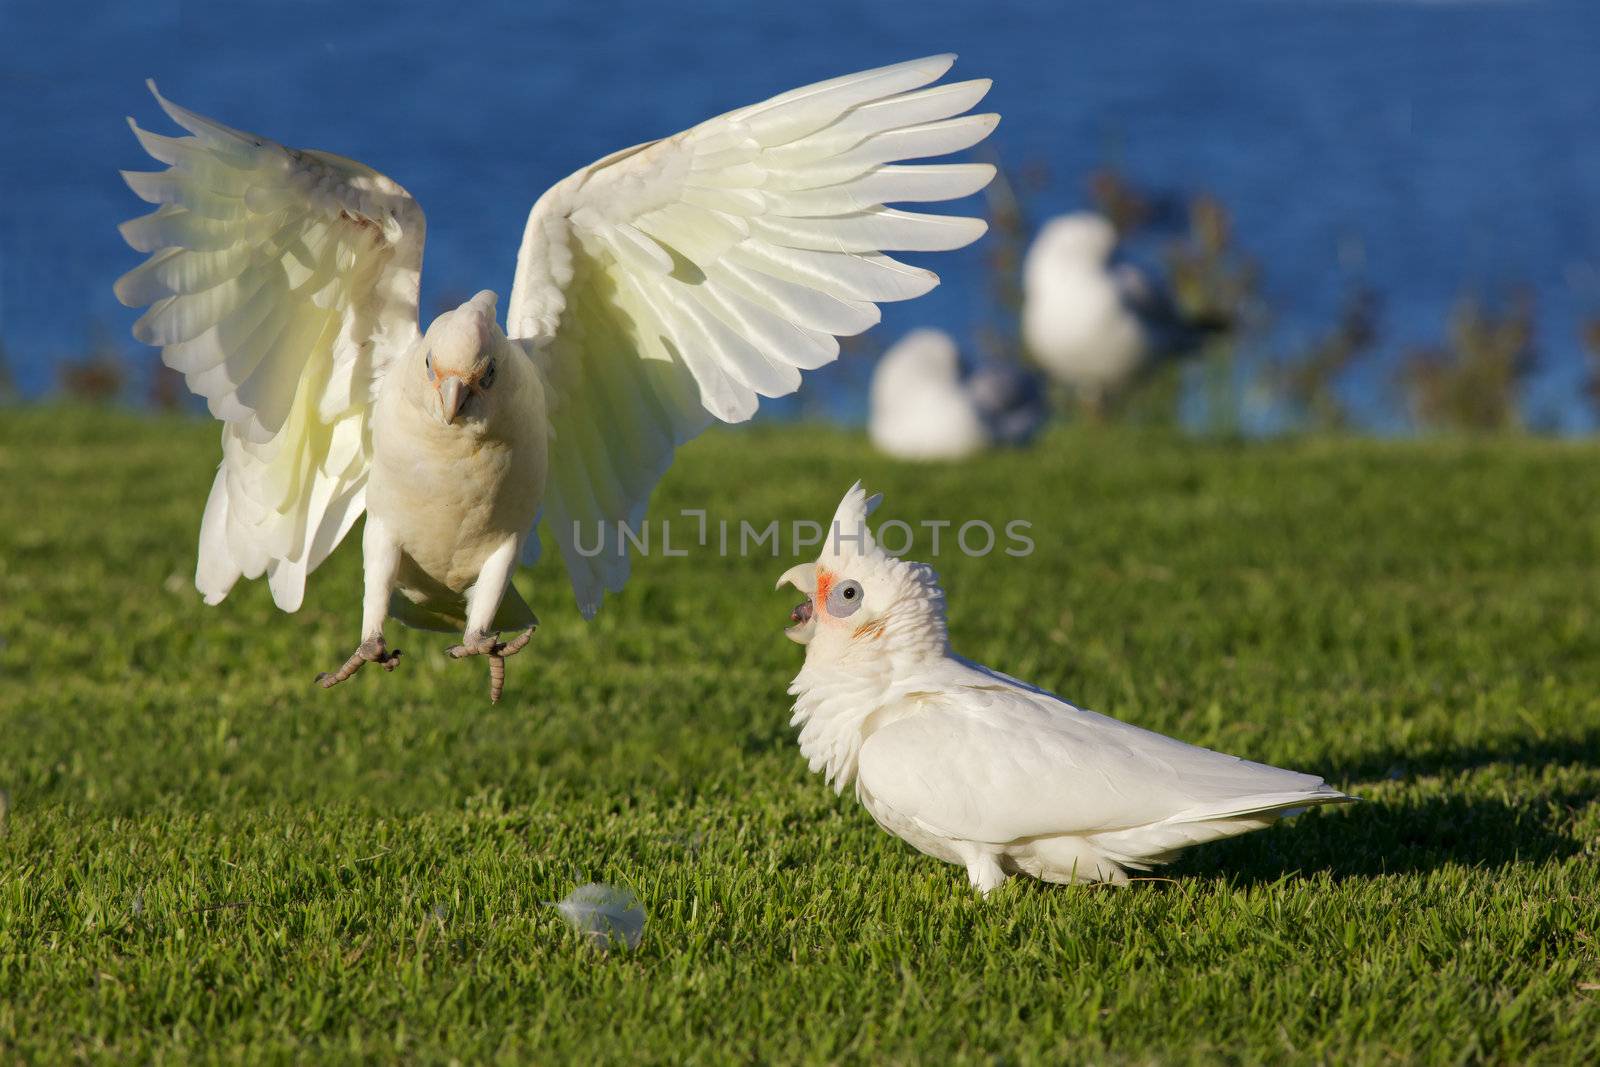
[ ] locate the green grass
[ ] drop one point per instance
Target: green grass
(208, 859)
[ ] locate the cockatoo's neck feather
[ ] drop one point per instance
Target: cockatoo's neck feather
(832, 703)
(842, 685)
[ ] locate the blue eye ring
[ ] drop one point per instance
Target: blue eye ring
(427, 365)
(488, 376)
(845, 598)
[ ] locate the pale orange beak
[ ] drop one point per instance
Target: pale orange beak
(452, 392)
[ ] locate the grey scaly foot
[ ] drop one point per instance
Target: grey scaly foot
(372, 650)
(484, 643)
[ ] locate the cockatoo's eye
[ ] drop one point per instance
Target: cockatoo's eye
(427, 364)
(487, 378)
(844, 599)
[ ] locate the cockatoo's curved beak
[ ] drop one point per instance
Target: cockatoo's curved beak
(451, 392)
(803, 578)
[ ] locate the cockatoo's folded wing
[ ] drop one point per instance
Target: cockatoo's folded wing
(999, 764)
(280, 284)
(685, 278)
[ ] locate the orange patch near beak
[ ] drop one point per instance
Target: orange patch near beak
(453, 390)
(468, 382)
(824, 586)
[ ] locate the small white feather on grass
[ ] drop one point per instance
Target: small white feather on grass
(609, 916)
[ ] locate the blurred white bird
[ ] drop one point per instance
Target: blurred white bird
(920, 409)
(976, 768)
(1079, 317)
(667, 284)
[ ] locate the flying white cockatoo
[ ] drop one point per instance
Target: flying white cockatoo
(976, 768)
(1080, 320)
(920, 409)
(666, 285)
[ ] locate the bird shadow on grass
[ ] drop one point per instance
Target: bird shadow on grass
(1395, 836)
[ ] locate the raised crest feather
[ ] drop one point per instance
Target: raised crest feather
(848, 535)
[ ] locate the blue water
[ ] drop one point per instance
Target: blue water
(1423, 147)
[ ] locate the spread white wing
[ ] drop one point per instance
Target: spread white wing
(280, 283)
(685, 278)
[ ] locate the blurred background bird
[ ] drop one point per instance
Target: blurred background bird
(920, 408)
(1080, 321)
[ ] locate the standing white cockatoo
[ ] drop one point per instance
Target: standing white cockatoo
(1079, 319)
(921, 410)
(666, 285)
(976, 768)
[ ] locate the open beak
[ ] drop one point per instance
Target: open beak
(803, 578)
(452, 392)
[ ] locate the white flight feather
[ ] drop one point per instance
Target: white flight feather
(693, 275)
(281, 284)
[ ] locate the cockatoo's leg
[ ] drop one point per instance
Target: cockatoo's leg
(983, 867)
(381, 559)
(483, 600)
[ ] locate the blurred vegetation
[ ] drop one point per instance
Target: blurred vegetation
(1115, 197)
(1309, 384)
(1214, 287)
(165, 390)
(1591, 343)
(1473, 381)
(100, 374)
(1213, 283)
(108, 372)
(8, 384)
(1011, 227)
